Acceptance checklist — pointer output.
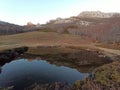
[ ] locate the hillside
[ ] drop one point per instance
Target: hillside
(8, 28)
(98, 26)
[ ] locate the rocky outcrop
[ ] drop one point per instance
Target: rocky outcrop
(95, 25)
(9, 55)
(97, 14)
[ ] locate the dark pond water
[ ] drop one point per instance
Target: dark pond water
(21, 73)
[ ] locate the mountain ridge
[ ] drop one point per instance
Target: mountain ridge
(97, 14)
(96, 28)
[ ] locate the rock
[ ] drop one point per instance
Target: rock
(8, 55)
(30, 24)
(50, 86)
(97, 14)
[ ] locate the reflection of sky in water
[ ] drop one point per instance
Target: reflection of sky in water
(21, 73)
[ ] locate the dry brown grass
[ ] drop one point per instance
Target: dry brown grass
(45, 39)
(37, 38)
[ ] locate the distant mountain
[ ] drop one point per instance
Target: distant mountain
(8, 28)
(98, 26)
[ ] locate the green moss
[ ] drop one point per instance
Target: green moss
(108, 74)
(102, 78)
(116, 77)
(78, 84)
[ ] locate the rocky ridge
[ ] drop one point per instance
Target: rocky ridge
(96, 25)
(97, 14)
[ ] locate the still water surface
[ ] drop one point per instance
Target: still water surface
(22, 73)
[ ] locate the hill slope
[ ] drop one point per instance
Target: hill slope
(8, 28)
(98, 26)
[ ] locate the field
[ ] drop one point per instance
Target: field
(51, 39)
(37, 38)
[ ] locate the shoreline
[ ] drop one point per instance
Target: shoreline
(52, 54)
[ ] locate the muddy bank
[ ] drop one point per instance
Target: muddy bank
(9, 55)
(76, 56)
(84, 60)
(80, 58)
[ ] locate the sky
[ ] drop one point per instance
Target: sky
(40, 11)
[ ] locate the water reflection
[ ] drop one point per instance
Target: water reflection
(0, 69)
(22, 73)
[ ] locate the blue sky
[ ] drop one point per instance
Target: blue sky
(41, 11)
